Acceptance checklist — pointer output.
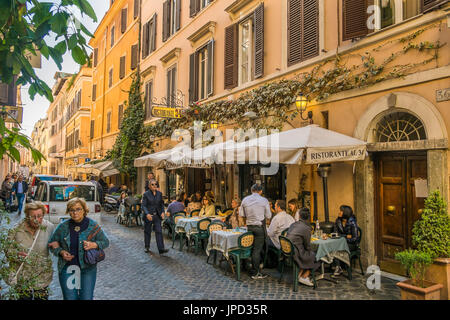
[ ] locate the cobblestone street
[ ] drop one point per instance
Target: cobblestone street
(128, 273)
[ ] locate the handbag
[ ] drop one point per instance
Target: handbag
(94, 256)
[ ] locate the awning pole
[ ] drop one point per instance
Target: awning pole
(311, 190)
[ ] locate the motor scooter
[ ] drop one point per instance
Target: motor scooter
(111, 203)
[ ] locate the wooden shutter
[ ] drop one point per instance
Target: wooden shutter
(310, 29)
(231, 56)
(178, 15)
(136, 8)
(148, 99)
(134, 56)
(79, 98)
(92, 129)
(123, 26)
(354, 19)
(153, 31)
(259, 41)
(194, 8)
(94, 92)
(95, 57)
(428, 5)
(145, 39)
(108, 122)
(122, 67)
(192, 79)
(120, 116)
(210, 71)
(166, 20)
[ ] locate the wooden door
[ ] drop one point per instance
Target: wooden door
(397, 205)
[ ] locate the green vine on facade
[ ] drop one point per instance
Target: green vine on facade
(129, 142)
(272, 101)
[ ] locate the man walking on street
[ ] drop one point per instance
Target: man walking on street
(20, 188)
(150, 176)
(153, 206)
(255, 209)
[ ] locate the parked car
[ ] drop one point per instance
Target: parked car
(36, 178)
(56, 194)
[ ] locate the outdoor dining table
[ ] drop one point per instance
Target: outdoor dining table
(189, 225)
(224, 241)
(328, 250)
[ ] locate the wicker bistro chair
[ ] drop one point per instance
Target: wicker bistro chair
(287, 251)
(215, 226)
(195, 213)
(202, 228)
(355, 254)
(276, 252)
(180, 232)
(169, 224)
(245, 244)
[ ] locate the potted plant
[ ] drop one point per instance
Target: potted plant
(417, 288)
(431, 234)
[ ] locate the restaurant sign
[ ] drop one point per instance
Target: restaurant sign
(164, 112)
(328, 155)
(12, 114)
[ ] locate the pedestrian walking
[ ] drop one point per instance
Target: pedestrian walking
(75, 237)
(150, 177)
(153, 206)
(99, 189)
(32, 266)
(255, 209)
(6, 191)
(20, 189)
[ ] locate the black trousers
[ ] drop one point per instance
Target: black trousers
(154, 225)
(258, 246)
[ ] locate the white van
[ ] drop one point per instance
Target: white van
(56, 194)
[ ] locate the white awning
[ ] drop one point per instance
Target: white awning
(177, 155)
(287, 147)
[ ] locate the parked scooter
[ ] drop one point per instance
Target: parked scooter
(111, 203)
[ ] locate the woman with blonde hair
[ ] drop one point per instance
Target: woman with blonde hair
(75, 237)
(208, 208)
(31, 235)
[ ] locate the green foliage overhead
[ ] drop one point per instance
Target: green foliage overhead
(26, 26)
(129, 142)
(431, 233)
(416, 263)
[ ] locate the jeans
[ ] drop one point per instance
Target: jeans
(20, 198)
(258, 245)
(86, 283)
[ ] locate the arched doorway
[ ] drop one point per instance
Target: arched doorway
(407, 145)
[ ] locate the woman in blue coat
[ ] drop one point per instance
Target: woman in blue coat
(69, 243)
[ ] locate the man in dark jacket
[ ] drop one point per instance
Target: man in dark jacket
(300, 235)
(20, 188)
(6, 191)
(150, 176)
(153, 206)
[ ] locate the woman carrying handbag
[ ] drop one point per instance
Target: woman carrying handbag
(81, 244)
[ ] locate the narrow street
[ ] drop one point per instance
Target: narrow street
(128, 273)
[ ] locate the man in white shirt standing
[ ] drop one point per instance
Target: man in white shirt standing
(280, 222)
(255, 209)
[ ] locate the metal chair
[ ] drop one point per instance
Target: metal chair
(244, 251)
(215, 226)
(195, 213)
(356, 253)
(180, 231)
(202, 227)
(288, 251)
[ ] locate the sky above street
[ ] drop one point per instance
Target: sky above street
(33, 110)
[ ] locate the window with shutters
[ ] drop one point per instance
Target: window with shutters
(303, 30)
(134, 56)
(108, 122)
(122, 67)
(171, 18)
(77, 140)
(201, 73)
(95, 57)
(148, 99)
(410, 8)
(120, 118)
(123, 21)
(110, 79)
(171, 86)
(149, 37)
(136, 8)
(113, 33)
(94, 92)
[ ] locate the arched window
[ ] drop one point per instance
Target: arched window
(400, 126)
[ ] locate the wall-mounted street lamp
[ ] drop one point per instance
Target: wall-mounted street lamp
(301, 104)
(214, 125)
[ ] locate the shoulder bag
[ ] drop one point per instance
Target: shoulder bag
(93, 256)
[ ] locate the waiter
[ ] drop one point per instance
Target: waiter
(255, 209)
(153, 205)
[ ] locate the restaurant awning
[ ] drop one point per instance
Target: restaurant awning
(177, 155)
(99, 168)
(287, 147)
